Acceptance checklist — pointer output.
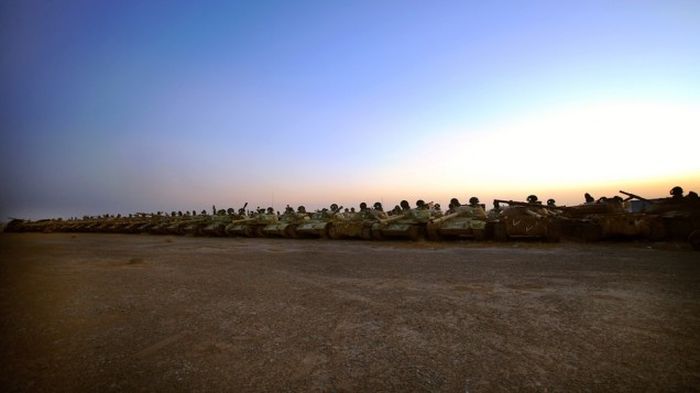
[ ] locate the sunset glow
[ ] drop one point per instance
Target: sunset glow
(131, 106)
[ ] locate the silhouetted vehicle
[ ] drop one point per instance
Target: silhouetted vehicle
(526, 220)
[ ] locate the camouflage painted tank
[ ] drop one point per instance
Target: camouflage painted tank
(318, 224)
(459, 222)
(217, 225)
(158, 225)
(84, 225)
(138, 224)
(114, 225)
(175, 225)
(252, 226)
(195, 226)
(287, 224)
(409, 224)
(240, 227)
(353, 225)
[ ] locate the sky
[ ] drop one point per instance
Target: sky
(125, 106)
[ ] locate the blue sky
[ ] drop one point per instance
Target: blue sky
(123, 106)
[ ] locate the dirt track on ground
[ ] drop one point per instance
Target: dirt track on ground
(92, 312)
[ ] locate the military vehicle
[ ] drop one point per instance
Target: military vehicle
(354, 226)
(287, 224)
(219, 222)
(252, 226)
(409, 224)
(525, 220)
(240, 227)
(608, 218)
(194, 226)
(174, 225)
(147, 224)
(113, 225)
(216, 225)
(459, 222)
(677, 216)
(319, 223)
(137, 223)
(17, 225)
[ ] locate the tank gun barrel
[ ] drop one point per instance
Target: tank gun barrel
(633, 196)
(444, 218)
(243, 220)
(526, 204)
(390, 219)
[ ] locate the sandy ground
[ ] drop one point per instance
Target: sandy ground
(97, 312)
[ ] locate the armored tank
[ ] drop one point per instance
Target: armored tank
(17, 225)
(353, 225)
(138, 224)
(287, 224)
(216, 226)
(609, 218)
(252, 226)
(113, 225)
(678, 216)
(525, 220)
(81, 225)
(459, 222)
(240, 227)
(319, 223)
(409, 224)
(175, 225)
(150, 224)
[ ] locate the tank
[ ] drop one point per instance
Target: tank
(138, 224)
(525, 220)
(240, 227)
(352, 225)
(176, 225)
(17, 225)
(48, 226)
(251, 226)
(409, 224)
(153, 223)
(678, 217)
(286, 225)
(459, 222)
(609, 218)
(194, 226)
(159, 225)
(217, 225)
(318, 224)
(114, 225)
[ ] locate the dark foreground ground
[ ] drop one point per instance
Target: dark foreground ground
(145, 313)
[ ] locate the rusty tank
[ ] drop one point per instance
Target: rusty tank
(678, 216)
(609, 218)
(525, 220)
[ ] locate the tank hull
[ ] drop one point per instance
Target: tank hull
(313, 228)
(459, 227)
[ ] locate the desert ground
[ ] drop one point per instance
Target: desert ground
(102, 312)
